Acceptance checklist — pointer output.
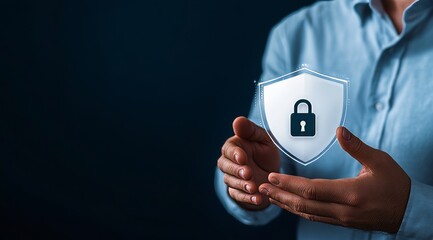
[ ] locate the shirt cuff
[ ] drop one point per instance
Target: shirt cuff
(418, 218)
(260, 217)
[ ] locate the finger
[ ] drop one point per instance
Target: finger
(336, 190)
(309, 217)
(229, 167)
(232, 150)
(297, 204)
(365, 154)
(239, 184)
(248, 130)
(240, 196)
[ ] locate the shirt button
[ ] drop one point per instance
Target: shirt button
(379, 106)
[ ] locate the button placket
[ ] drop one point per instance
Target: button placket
(386, 72)
(385, 89)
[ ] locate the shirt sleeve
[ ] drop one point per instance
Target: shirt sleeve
(418, 219)
(273, 66)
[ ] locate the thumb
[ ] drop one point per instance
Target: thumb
(366, 155)
(248, 130)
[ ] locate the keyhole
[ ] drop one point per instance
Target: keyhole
(303, 123)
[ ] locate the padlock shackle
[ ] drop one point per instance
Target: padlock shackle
(310, 108)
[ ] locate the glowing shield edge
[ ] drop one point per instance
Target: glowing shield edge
(301, 148)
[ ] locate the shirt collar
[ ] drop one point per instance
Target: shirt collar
(364, 7)
(361, 7)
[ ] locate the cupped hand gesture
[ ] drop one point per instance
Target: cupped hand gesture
(374, 200)
(246, 160)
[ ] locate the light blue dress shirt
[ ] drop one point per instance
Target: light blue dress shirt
(390, 101)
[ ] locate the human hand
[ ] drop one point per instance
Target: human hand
(246, 160)
(374, 200)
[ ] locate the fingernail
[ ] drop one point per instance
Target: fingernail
(248, 188)
(241, 173)
(254, 199)
(346, 134)
(274, 180)
(264, 191)
(236, 157)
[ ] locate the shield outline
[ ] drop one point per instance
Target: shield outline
(300, 71)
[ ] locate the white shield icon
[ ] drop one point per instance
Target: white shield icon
(301, 111)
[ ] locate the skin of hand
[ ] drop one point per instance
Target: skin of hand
(374, 200)
(246, 160)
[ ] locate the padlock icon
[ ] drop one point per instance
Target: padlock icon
(303, 124)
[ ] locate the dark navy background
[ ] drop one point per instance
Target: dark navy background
(113, 114)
